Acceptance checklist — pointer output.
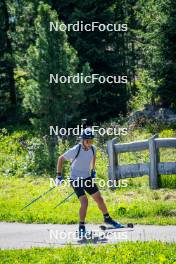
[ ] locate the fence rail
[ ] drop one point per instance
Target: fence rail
(153, 168)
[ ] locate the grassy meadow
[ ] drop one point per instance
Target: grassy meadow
(124, 253)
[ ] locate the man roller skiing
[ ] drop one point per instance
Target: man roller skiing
(83, 159)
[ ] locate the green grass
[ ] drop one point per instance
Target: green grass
(139, 205)
(124, 253)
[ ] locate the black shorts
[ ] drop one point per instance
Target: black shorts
(82, 185)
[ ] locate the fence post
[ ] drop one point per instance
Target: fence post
(112, 162)
(154, 159)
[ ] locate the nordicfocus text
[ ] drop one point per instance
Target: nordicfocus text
(77, 131)
(80, 26)
(89, 79)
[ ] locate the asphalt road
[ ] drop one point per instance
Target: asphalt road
(19, 235)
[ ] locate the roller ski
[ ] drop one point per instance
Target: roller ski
(111, 224)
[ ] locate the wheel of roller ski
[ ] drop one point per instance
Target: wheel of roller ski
(103, 227)
(130, 225)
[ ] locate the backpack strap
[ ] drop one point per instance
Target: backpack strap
(77, 154)
(93, 151)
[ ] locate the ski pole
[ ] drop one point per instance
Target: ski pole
(37, 198)
(64, 200)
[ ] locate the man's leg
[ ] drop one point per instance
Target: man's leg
(82, 214)
(100, 202)
(83, 209)
(102, 206)
(79, 190)
(92, 189)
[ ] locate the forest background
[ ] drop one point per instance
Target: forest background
(29, 52)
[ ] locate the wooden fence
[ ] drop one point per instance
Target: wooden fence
(153, 168)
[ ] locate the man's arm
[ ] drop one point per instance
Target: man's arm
(60, 164)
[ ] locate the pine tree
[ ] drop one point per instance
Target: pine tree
(150, 16)
(125, 44)
(51, 54)
(101, 50)
(51, 103)
(23, 14)
(167, 90)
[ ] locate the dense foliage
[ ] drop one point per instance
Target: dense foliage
(30, 53)
(28, 46)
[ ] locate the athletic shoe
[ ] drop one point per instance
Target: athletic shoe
(108, 220)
